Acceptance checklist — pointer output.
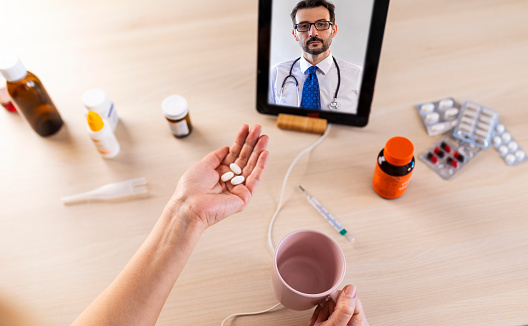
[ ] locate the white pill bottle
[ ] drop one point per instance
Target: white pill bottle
(102, 136)
(95, 100)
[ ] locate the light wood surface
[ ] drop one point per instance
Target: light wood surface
(446, 253)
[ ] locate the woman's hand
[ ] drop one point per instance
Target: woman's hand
(348, 311)
(203, 199)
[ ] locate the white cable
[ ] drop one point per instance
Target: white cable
(272, 221)
(270, 228)
(250, 313)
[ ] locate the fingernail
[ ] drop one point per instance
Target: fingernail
(350, 291)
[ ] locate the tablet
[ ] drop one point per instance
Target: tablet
(341, 37)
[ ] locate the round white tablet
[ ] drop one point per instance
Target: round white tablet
(426, 108)
(513, 146)
(510, 158)
(506, 136)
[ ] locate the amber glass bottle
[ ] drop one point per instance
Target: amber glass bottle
(30, 97)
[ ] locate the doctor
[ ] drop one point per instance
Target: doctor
(316, 80)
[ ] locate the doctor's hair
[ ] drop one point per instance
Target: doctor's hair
(304, 4)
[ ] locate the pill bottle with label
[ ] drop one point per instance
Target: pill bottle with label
(95, 100)
(176, 112)
(394, 168)
(5, 100)
(30, 97)
(102, 136)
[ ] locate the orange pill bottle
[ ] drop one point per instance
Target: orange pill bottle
(394, 168)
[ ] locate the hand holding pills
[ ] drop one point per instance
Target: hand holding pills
(210, 190)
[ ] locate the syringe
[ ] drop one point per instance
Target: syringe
(327, 216)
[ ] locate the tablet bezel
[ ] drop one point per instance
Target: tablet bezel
(370, 68)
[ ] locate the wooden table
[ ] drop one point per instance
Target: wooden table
(446, 253)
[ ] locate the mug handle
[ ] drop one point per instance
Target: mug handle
(332, 296)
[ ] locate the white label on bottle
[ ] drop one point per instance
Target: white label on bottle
(179, 128)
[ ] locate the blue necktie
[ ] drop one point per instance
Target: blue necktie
(311, 99)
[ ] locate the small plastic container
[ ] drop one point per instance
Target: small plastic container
(95, 100)
(176, 112)
(102, 136)
(5, 100)
(394, 168)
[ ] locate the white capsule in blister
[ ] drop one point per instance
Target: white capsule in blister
(520, 155)
(470, 114)
(237, 180)
(513, 146)
(483, 126)
(467, 120)
(432, 117)
(447, 103)
(506, 136)
(500, 128)
(503, 150)
(450, 113)
(497, 141)
(438, 127)
(465, 127)
(227, 176)
(427, 108)
(510, 158)
(482, 133)
(472, 106)
(235, 168)
(485, 119)
(488, 112)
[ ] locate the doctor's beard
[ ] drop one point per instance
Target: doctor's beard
(325, 45)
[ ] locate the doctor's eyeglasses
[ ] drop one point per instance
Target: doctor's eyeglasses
(319, 25)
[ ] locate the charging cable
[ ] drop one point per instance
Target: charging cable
(272, 221)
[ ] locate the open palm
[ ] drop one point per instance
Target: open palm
(208, 199)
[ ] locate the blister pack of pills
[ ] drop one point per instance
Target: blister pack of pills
(439, 116)
(448, 155)
(508, 148)
(476, 124)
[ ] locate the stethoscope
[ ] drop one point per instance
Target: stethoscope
(333, 105)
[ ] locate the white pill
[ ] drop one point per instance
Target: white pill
(500, 128)
(482, 133)
(471, 114)
(520, 155)
(235, 168)
(468, 121)
(510, 159)
(513, 146)
(447, 103)
(506, 136)
(438, 127)
(451, 113)
(227, 176)
(432, 117)
(237, 180)
(488, 112)
(497, 141)
(485, 119)
(426, 108)
(465, 127)
(503, 150)
(472, 106)
(483, 126)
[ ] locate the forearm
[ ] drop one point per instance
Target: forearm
(139, 292)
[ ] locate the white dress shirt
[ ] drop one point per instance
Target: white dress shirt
(347, 96)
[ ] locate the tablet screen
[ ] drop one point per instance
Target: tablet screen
(319, 58)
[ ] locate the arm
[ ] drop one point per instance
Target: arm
(139, 292)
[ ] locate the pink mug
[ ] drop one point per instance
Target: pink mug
(308, 268)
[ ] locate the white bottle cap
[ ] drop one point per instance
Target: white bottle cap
(12, 68)
(95, 99)
(175, 107)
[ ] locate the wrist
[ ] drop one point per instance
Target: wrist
(178, 210)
